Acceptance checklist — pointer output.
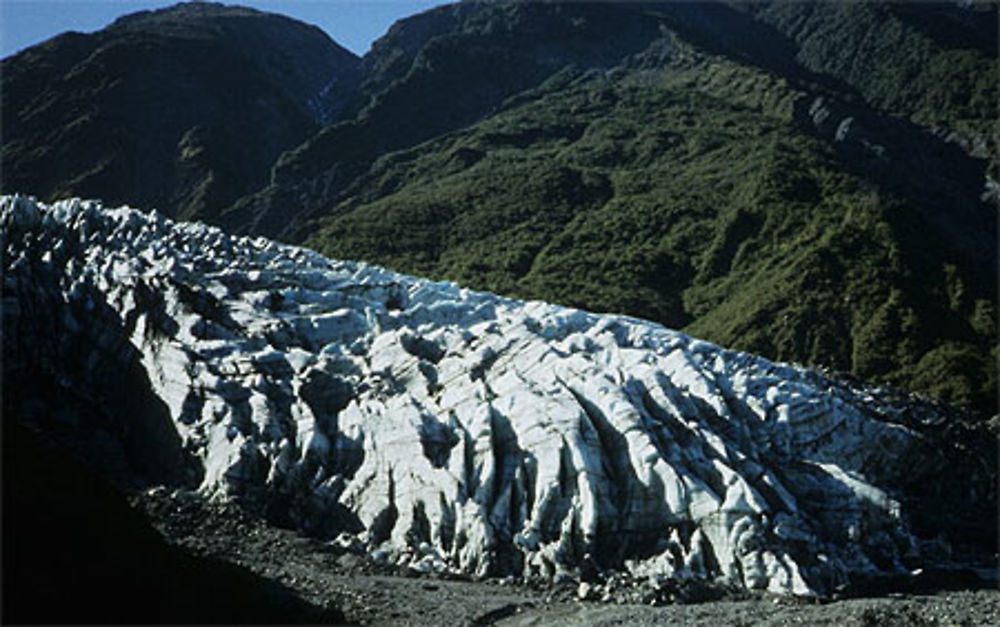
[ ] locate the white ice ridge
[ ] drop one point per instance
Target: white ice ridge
(455, 430)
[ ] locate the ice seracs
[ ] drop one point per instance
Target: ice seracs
(454, 430)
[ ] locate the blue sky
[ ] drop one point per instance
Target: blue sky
(353, 24)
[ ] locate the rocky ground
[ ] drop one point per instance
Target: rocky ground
(330, 575)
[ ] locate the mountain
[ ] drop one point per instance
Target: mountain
(183, 109)
(437, 72)
(812, 182)
(459, 432)
(805, 181)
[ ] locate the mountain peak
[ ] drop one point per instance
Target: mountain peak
(194, 8)
(200, 18)
(168, 102)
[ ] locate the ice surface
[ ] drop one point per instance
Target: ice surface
(455, 430)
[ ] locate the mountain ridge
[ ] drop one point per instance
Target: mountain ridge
(890, 160)
(815, 184)
(155, 108)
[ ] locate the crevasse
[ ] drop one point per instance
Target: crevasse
(453, 430)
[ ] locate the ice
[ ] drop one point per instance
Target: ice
(453, 430)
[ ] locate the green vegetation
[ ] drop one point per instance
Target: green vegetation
(183, 109)
(684, 194)
(797, 179)
(933, 64)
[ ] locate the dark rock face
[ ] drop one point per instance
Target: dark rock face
(182, 109)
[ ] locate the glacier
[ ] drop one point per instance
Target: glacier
(451, 430)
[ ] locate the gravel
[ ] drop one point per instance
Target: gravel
(326, 574)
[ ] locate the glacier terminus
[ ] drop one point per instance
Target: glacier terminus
(455, 431)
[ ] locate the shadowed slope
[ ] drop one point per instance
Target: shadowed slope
(183, 109)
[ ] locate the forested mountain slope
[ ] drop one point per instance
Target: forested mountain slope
(182, 109)
(802, 181)
(809, 181)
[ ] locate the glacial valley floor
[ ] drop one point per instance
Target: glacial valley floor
(373, 595)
